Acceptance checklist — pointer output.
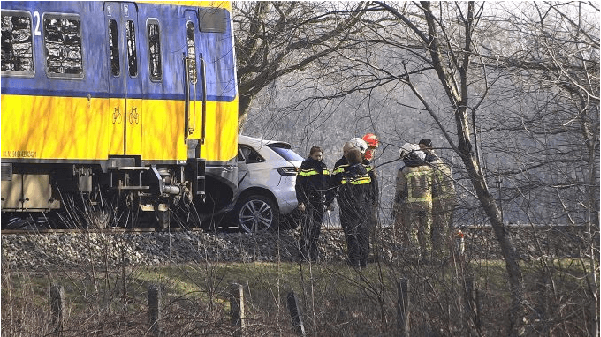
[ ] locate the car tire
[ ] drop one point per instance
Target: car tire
(255, 213)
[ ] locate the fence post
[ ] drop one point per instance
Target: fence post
(403, 308)
(295, 314)
(154, 309)
(478, 310)
(237, 307)
(543, 302)
(57, 307)
(472, 302)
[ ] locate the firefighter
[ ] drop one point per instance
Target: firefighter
(412, 210)
(314, 195)
(372, 143)
(443, 199)
(426, 146)
(368, 161)
(354, 205)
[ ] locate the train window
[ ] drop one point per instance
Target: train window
(17, 44)
(62, 43)
(114, 47)
(191, 51)
(132, 57)
(213, 20)
(154, 51)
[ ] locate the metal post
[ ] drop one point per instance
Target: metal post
(154, 309)
(237, 307)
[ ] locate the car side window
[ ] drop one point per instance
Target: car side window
(250, 155)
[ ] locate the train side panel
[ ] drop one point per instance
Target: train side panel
(58, 118)
(80, 104)
(48, 133)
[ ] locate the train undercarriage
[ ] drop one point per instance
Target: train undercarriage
(121, 192)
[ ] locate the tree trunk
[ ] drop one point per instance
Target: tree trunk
(458, 95)
(514, 271)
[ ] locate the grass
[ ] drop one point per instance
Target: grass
(335, 299)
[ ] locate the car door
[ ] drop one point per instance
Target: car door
(243, 152)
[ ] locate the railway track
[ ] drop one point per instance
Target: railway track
(120, 230)
(93, 230)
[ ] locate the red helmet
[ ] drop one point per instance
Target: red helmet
(371, 139)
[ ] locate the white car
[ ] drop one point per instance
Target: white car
(266, 177)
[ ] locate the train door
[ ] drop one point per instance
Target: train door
(125, 86)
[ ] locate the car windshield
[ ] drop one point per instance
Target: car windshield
(287, 154)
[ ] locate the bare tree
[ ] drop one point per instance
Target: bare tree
(512, 90)
(273, 39)
(451, 57)
(560, 69)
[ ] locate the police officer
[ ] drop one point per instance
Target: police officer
(367, 150)
(413, 200)
(342, 163)
(314, 195)
(353, 194)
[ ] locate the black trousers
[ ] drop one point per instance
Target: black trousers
(310, 231)
(356, 229)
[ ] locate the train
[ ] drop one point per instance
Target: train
(113, 106)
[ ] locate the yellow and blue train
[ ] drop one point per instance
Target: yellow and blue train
(133, 99)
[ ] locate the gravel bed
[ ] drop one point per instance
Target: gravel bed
(40, 251)
(47, 251)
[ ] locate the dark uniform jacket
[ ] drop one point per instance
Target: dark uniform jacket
(354, 193)
(313, 183)
(340, 168)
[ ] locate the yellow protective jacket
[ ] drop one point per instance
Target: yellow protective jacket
(414, 185)
(412, 210)
(443, 187)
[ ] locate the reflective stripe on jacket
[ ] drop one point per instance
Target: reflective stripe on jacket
(414, 184)
(340, 168)
(356, 180)
(313, 183)
(312, 172)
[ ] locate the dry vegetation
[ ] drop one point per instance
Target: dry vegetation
(334, 300)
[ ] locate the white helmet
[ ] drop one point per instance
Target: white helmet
(413, 150)
(357, 143)
(406, 149)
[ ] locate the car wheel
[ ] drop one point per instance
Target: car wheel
(255, 213)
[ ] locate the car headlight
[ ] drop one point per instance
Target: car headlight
(287, 171)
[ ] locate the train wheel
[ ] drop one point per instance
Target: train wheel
(163, 220)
